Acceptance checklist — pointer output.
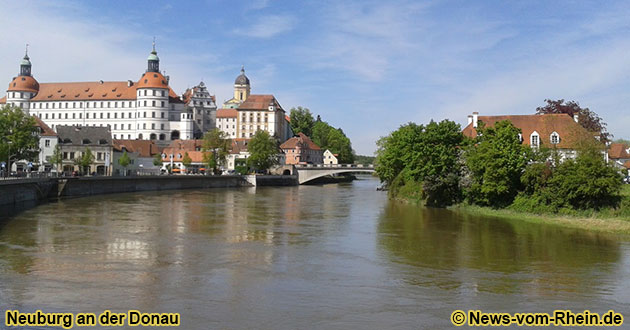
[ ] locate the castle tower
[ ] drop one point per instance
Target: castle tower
(153, 102)
(23, 87)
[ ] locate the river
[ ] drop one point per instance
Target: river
(338, 256)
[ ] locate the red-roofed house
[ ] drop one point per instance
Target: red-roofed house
(140, 152)
(558, 131)
(619, 155)
(301, 149)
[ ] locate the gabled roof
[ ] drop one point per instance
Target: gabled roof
(299, 140)
(144, 148)
(618, 151)
(77, 135)
(44, 129)
(227, 113)
(570, 132)
(239, 145)
(259, 102)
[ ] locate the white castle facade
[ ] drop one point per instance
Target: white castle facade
(147, 109)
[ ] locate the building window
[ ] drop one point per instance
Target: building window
(555, 138)
(47, 143)
(162, 104)
(153, 114)
(162, 114)
(535, 142)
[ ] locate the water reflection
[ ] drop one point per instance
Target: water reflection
(332, 256)
(508, 256)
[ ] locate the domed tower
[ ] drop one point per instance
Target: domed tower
(241, 86)
(23, 87)
(153, 102)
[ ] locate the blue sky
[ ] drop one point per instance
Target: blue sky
(365, 66)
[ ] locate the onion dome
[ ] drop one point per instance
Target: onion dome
(152, 80)
(242, 78)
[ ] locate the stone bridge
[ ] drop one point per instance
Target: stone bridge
(310, 172)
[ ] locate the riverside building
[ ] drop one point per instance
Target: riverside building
(147, 109)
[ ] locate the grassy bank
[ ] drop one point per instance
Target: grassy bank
(608, 220)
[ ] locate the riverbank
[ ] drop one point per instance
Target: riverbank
(595, 223)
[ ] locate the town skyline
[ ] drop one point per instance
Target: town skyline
(365, 67)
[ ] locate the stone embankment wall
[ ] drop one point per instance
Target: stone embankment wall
(18, 195)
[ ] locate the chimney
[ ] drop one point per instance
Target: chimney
(575, 117)
(470, 119)
(475, 118)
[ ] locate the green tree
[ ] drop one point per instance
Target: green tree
(422, 161)
(186, 161)
(216, 146)
(57, 158)
(157, 160)
(124, 161)
(496, 161)
(301, 120)
(263, 151)
(19, 134)
(321, 129)
(85, 161)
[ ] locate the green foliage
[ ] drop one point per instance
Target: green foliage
(216, 147)
(585, 183)
(157, 160)
(186, 161)
(124, 160)
(85, 160)
(365, 160)
(301, 121)
(496, 161)
(19, 134)
(424, 157)
(57, 158)
(263, 150)
(240, 166)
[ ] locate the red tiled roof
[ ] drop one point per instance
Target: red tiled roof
(618, 151)
(86, 91)
(627, 164)
(239, 145)
(570, 132)
(178, 155)
(23, 84)
(188, 145)
(259, 102)
(45, 130)
(3, 100)
(227, 113)
(145, 148)
(300, 140)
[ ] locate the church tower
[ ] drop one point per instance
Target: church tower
(23, 87)
(241, 87)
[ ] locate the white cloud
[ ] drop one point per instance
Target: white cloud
(268, 26)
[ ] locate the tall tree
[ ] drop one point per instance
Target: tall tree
(301, 121)
(216, 147)
(496, 162)
(57, 158)
(186, 161)
(124, 161)
(84, 161)
(19, 135)
(263, 151)
(157, 160)
(586, 118)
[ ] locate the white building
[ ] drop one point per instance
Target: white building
(330, 158)
(147, 109)
(253, 112)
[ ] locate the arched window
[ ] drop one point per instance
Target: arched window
(534, 140)
(554, 138)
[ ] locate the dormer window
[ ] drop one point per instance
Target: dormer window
(102, 141)
(534, 140)
(86, 141)
(554, 138)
